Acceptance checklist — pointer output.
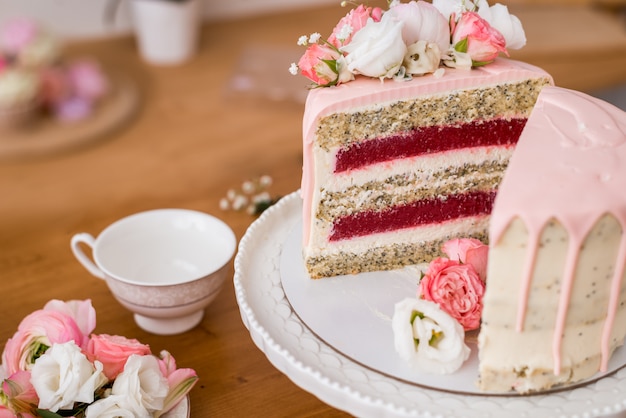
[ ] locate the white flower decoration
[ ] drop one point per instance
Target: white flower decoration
(426, 337)
(64, 375)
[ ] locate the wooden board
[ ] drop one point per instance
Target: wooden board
(46, 135)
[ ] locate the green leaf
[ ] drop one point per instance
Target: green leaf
(332, 64)
(44, 413)
(480, 63)
(461, 46)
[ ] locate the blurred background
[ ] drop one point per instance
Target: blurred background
(567, 37)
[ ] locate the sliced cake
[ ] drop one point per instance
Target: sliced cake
(393, 169)
(555, 303)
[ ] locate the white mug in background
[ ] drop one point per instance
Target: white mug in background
(164, 265)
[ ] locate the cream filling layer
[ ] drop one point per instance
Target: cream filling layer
(320, 246)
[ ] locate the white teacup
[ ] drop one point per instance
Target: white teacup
(164, 265)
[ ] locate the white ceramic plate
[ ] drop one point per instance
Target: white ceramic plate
(300, 346)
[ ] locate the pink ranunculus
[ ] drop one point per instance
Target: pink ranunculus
(113, 351)
(352, 22)
(468, 251)
(316, 64)
(456, 288)
(422, 22)
(180, 381)
(81, 311)
(38, 331)
(484, 43)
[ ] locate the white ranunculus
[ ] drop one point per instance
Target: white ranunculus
(109, 407)
(64, 375)
(422, 58)
(377, 50)
(141, 385)
(449, 7)
(422, 22)
(428, 338)
(508, 25)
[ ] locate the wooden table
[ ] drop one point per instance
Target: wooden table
(189, 143)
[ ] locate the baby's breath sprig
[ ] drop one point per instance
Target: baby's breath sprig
(253, 197)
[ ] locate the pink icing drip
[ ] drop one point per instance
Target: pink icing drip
(616, 285)
(364, 92)
(527, 274)
(576, 146)
(566, 291)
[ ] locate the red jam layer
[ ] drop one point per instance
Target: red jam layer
(430, 140)
(422, 212)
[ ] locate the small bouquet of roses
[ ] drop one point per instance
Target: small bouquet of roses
(429, 330)
(54, 366)
(409, 39)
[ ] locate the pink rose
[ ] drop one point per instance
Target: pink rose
(352, 23)
(473, 35)
(468, 251)
(113, 351)
(456, 288)
(38, 331)
(319, 63)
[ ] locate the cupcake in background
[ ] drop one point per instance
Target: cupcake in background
(28, 45)
(36, 78)
(73, 90)
(19, 97)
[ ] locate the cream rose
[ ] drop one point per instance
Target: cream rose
(377, 50)
(422, 22)
(422, 58)
(426, 337)
(64, 375)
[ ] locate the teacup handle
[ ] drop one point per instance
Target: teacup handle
(89, 240)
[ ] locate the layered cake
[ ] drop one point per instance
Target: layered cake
(555, 302)
(407, 131)
(401, 158)
(392, 170)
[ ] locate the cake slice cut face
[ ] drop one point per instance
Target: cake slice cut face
(393, 169)
(555, 302)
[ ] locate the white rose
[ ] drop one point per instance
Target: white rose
(141, 385)
(428, 338)
(508, 25)
(422, 58)
(109, 407)
(377, 50)
(422, 22)
(63, 376)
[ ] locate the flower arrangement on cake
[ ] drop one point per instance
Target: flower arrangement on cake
(34, 77)
(54, 366)
(429, 330)
(409, 39)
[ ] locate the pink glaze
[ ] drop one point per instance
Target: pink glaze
(568, 165)
(364, 92)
